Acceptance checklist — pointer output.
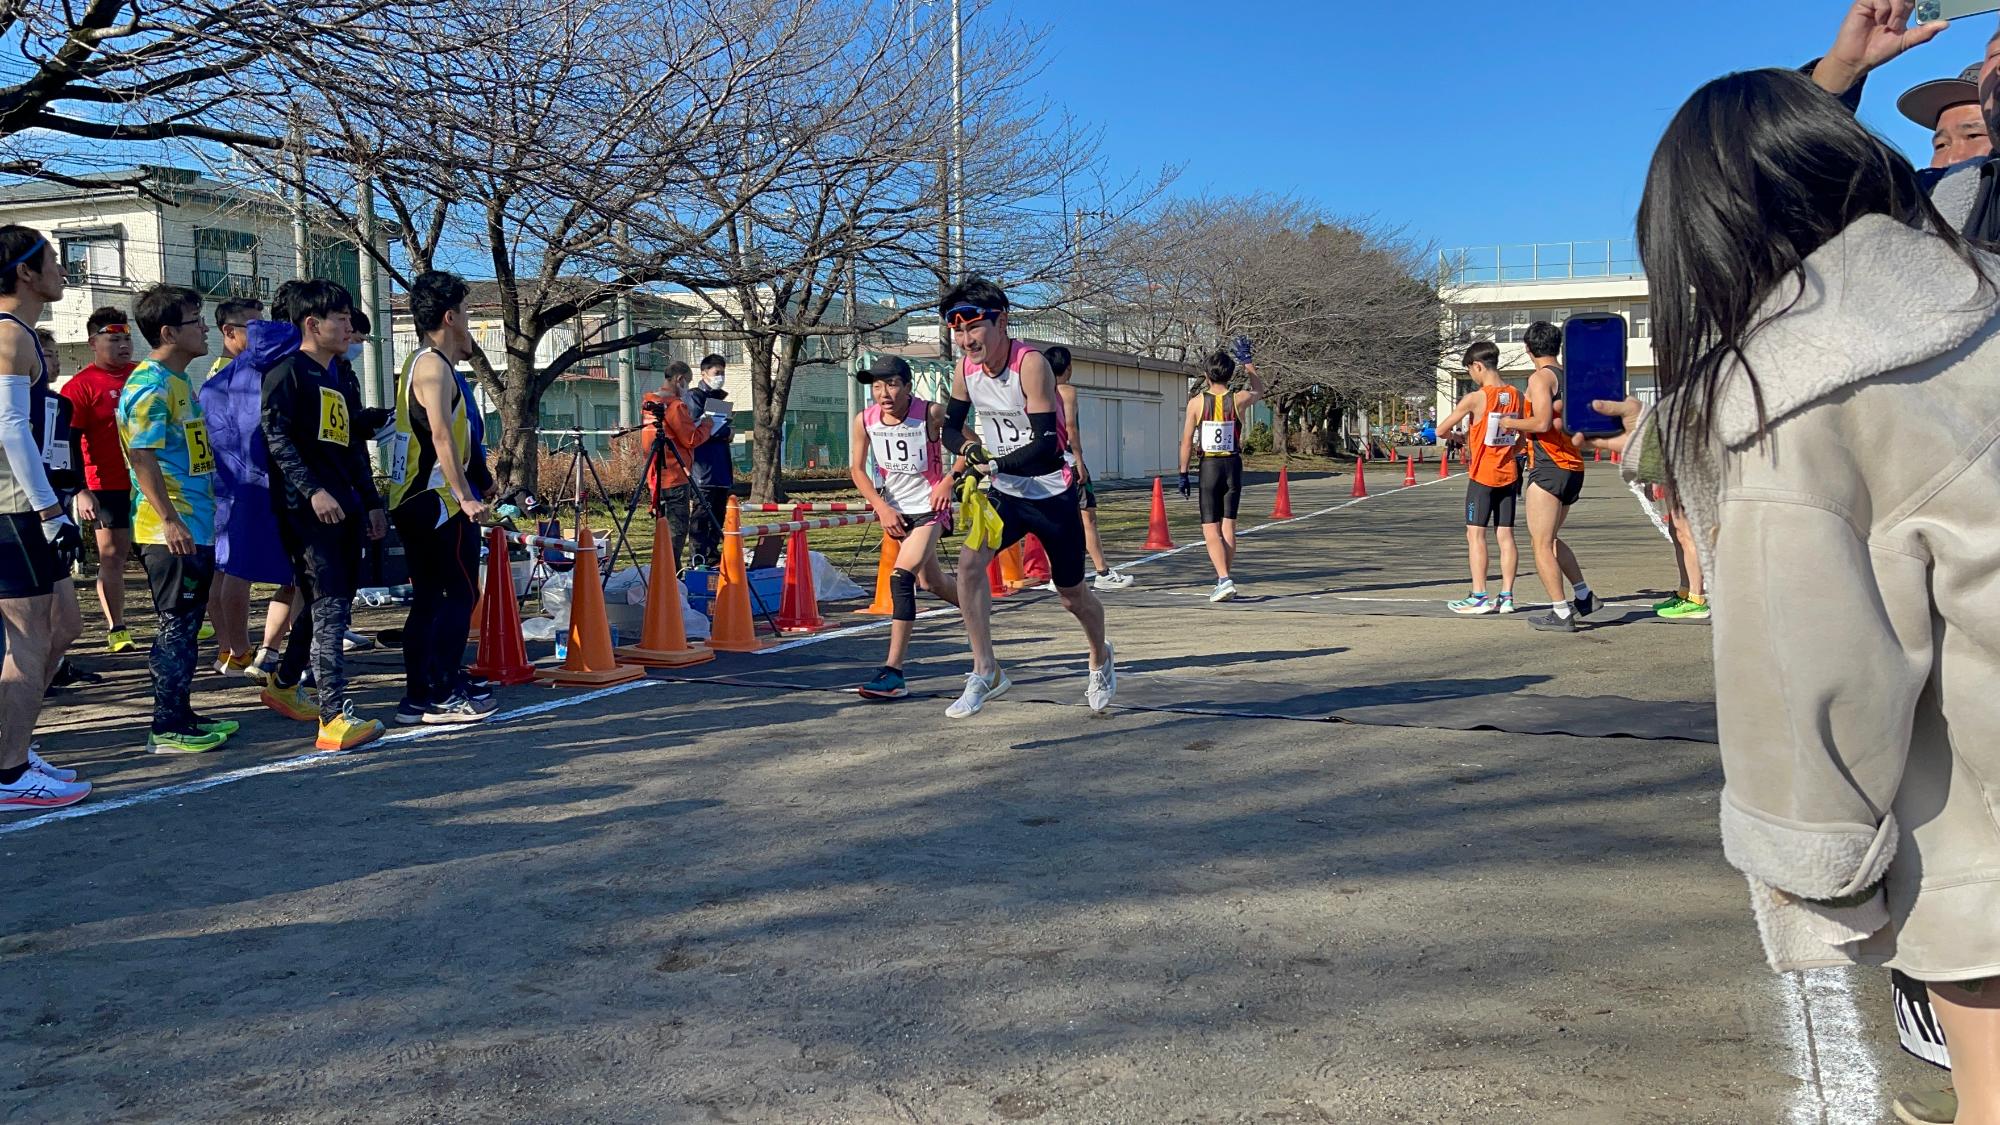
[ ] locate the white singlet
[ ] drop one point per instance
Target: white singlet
(901, 452)
(1002, 411)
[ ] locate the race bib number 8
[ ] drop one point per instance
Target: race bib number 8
(1006, 432)
(201, 454)
(1218, 437)
(333, 421)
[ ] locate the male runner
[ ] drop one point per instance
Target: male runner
(436, 508)
(1555, 480)
(36, 538)
(1494, 477)
(50, 414)
(900, 433)
(1020, 448)
(106, 499)
(327, 503)
(1214, 425)
(1108, 578)
(173, 520)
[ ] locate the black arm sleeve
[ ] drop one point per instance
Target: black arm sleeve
(1042, 454)
(955, 413)
(1852, 98)
(281, 394)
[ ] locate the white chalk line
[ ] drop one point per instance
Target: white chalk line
(1838, 1079)
(876, 626)
(307, 761)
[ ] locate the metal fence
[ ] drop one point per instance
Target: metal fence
(1539, 261)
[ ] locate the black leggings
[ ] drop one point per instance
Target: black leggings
(444, 588)
(1221, 487)
(326, 562)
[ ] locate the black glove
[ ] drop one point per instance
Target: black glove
(977, 460)
(1240, 347)
(1187, 486)
(373, 420)
(65, 540)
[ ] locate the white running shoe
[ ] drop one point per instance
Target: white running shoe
(1225, 591)
(356, 642)
(39, 764)
(1103, 682)
(37, 790)
(1113, 580)
(978, 690)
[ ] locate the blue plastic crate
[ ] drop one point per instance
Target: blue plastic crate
(766, 587)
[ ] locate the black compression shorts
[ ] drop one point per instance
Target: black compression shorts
(1486, 505)
(1563, 484)
(1056, 521)
(28, 567)
(1221, 488)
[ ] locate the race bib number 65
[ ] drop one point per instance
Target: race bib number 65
(333, 421)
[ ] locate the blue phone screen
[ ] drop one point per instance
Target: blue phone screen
(1593, 369)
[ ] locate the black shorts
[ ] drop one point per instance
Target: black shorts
(114, 509)
(28, 567)
(1487, 506)
(1086, 497)
(911, 523)
(1563, 484)
(179, 582)
(1221, 488)
(1056, 521)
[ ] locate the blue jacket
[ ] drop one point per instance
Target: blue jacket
(246, 541)
(712, 467)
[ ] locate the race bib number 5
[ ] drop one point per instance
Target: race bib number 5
(201, 454)
(333, 420)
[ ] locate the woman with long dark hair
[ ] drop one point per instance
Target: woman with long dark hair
(1829, 361)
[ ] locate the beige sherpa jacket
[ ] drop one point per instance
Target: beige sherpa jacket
(1854, 555)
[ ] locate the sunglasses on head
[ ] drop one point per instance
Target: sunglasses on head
(965, 316)
(116, 330)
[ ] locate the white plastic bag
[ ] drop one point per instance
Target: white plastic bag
(829, 583)
(555, 599)
(538, 629)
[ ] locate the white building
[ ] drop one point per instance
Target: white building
(219, 240)
(1495, 292)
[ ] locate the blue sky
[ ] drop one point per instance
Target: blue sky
(1468, 121)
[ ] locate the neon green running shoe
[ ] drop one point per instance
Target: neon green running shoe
(1687, 610)
(187, 741)
(223, 727)
(119, 640)
(207, 632)
(1671, 602)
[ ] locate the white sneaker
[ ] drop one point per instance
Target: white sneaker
(356, 642)
(1112, 580)
(1050, 586)
(978, 689)
(39, 764)
(1103, 682)
(37, 790)
(1224, 591)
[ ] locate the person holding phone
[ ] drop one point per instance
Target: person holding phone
(1858, 745)
(1555, 481)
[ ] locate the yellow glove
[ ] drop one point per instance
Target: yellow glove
(983, 527)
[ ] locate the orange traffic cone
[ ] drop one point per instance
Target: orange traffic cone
(798, 607)
(1012, 570)
(1035, 561)
(1360, 477)
(479, 608)
(503, 657)
(885, 567)
(591, 662)
(1157, 538)
(731, 628)
(1444, 465)
(1282, 510)
(663, 643)
(996, 582)
(1409, 471)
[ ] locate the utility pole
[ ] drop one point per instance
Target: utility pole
(627, 360)
(373, 366)
(301, 263)
(958, 135)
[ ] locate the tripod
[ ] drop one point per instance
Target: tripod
(656, 460)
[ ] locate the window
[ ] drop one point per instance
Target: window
(94, 258)
(1641, 316)
(225, 264)
(335, 260)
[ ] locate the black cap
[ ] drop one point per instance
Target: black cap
(1926, 103)
(884, 367)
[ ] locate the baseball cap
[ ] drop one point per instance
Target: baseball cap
(884, 367)
(1925, 103)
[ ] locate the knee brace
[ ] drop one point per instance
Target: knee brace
(902, 595)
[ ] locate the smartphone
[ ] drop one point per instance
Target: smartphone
(1593, 367)
(1931, 10)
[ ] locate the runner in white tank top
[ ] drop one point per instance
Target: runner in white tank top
(897, 464)
(1021, 445)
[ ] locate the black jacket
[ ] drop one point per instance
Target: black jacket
(712, 467)
(312, 421)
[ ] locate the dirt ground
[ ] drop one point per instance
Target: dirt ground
(1285, 883)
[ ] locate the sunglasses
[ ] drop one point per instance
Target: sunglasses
(115, 330)
(965, 316)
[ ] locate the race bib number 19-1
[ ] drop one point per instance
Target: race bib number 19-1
(333, 421)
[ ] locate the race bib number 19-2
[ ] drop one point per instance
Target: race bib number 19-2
(1007, 432)
(333, 421)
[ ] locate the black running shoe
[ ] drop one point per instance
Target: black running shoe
(1551, 623)
(1586, 605)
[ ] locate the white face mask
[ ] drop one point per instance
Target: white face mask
(354, 352)
(715, 382)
